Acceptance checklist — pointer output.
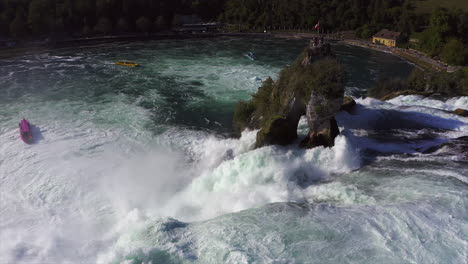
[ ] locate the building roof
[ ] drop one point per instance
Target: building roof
(387, 34)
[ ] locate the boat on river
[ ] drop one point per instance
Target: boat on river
(127, 63)
(25, 131)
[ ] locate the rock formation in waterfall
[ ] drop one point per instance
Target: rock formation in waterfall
(313, 86)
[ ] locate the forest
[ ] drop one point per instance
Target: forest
(442, 33)
(39, 18)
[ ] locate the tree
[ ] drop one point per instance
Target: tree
(431, 41)
(454, 52)
(40, 16)
(159, 23)
(104, 25)
(143, 24)
(365, 31)
(86, 30)
(440, 21)
(417, 80)
(122, 25)
(18, 27)
(177, 20)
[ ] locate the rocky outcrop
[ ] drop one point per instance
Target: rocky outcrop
(461, 112)
(312, 86)
(348, 104)
(282, 130)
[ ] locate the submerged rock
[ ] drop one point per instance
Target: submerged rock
(312, 86)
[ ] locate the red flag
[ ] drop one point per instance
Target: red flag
(317, 26)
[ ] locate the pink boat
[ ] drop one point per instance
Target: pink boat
(25, 131)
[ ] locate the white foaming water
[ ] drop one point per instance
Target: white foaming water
(223, 80)
(266, 175)
(115, 190)
(52, 207)
(413, 100)
(375, 115)
(98, 186)
(84, 174)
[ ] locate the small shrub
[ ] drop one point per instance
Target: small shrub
(242, 114)
(143, 24)
(454, 53)
(386, 86)
(104, 25)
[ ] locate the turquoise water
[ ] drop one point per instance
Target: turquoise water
(135, 165)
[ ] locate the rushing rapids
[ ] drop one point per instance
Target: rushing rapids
(135, 165)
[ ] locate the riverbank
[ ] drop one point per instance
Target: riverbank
(419, 59)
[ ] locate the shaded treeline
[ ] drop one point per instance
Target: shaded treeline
(333, 15)
(443, 33)
(419, 82)
(23, 18)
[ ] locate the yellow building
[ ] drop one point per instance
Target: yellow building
(386, 37)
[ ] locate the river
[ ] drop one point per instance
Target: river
(138, 165)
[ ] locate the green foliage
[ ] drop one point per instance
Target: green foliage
(325, 77)
(427, 6)
(416, 81)
(366, 31)
(122, 25)
(452, 84)
(159, 23)
(441, 21)
(264, 100)
(449, 84)
(75, 16)
(455, 53)
(18, 27)
(430, 42)
(86, 31)
(442, 36)
(176, 20)
(104, 25)
(143, 24)
(386, 86)
(318, 109)
(242, 114)
(40, 16)
(271, 103)
(333, 15)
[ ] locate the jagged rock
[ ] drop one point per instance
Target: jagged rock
(325, 137)
(313, 85)
(280, 130)
(461, 112)
(348, 104)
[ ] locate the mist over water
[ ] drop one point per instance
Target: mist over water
(135, 165)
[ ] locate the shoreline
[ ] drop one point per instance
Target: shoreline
(418, 59)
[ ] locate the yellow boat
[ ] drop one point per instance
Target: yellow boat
(127, 63)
